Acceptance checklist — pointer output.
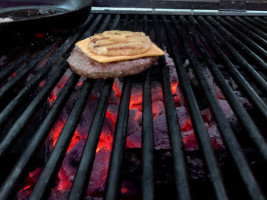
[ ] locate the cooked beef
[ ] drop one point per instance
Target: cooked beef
(81, 64)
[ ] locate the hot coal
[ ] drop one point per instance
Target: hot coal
(132, 172)
(11, 157)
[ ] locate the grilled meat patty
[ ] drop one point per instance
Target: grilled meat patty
(82, 65)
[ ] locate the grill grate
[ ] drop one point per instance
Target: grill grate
(228, 46)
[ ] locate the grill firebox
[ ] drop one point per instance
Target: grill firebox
(231, 48)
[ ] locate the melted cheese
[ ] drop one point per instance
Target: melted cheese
(83, 45)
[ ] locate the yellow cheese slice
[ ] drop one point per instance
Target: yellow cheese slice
(83, 45)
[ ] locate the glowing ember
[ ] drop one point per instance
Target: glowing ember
(105, 142)
(80, 83)
(117, 87)
(124, 190)
(39, 35)
(55, 92)
(190, 141)
(42, 83)
(75, 139)
(134, 132)
(187, 126)
(30, 181)
(44, 61)
(174, 87)
(136, 98)
(52, 97)
(14, 74)
(56, 132)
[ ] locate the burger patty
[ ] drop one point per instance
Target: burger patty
(82, 65)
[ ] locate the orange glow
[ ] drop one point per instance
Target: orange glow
(63, 81)
(110, 117)
(138, 105)
(187, 126)
(24, 192)
(174, 87)
(35, 173)
(26, 188)
(136, 99)
(80, 83)
(105, 142)
(44, 61)
(131, 105)
(52, 97)
(39, 35)
(56, 131)
(117, 90)
(190, 141)
(220, 97)
(42, 83)
(64, 182)
(75, 139)
(31, 179)
(124, 190)
(205, 117)
(14, 74)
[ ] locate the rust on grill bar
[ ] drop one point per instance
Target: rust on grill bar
(190, 127)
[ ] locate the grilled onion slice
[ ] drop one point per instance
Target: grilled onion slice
(119, 43)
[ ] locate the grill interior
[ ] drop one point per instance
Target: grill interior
(229, 47)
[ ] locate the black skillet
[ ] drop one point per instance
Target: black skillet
(36, 17)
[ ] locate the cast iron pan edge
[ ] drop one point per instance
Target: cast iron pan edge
(62, 22)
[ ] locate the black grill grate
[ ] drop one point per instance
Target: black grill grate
(236, 43)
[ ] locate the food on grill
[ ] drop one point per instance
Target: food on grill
(113, 54)
(119, 43)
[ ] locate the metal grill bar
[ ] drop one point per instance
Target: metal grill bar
(259, 22)
(258, 30)
(20, 168)
(190, 35)
(200, 130)
(29, 112)
(113, 183)
(257, 59)
(250, 31)
(5, 114)
(112, 191)
(84, 170)
(7, 71)
(23, 72)
(51, 169)
(148, 158)
(49, 173)
(92, 27)
(42, 73)
(115, 22)
(63, 49)
(104, 24)
(242, 61)
(148, 144)
(225, 129)
(181, 180)
(244, 39)
(241, 113)
(252, 27)
(240, 80)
